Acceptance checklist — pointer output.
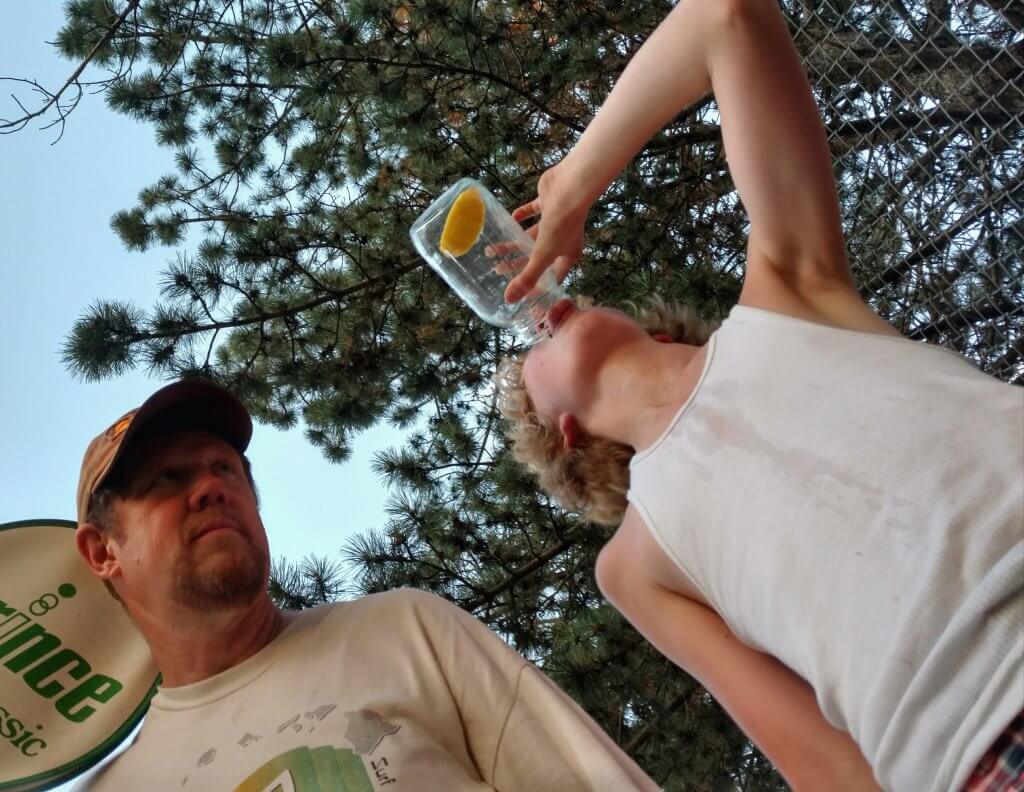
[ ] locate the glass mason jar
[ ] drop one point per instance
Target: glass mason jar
(480, 274)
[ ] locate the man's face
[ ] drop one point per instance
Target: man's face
(187, 526)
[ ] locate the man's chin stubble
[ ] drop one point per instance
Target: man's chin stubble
(225, 586)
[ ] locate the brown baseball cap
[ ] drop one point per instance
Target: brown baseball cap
(191, 402)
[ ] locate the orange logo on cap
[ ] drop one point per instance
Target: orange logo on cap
(120, 427)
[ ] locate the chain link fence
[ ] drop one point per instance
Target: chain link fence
(923, 102)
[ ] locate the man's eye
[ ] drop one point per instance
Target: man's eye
(169, 475)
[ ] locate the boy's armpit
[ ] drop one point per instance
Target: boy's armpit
(634, 555)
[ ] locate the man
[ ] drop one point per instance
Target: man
(395, 691)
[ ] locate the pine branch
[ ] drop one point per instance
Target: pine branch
(450, 68)
(522, 572)
(652, 725)
(332, 296)
(9, 126)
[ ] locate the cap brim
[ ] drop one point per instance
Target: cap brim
(211, 406)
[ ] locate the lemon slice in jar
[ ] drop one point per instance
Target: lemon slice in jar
(464, 224)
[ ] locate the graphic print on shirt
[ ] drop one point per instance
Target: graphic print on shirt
(321, 769)
(325, 768)
(366, 729)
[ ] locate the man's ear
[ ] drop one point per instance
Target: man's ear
(570, 430)
(94, 547)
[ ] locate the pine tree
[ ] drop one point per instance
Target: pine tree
(308, 135)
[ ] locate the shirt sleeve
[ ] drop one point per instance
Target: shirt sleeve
(549, 743)
(523, 732)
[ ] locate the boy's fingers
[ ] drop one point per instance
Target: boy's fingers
(501, 248)
(496, 249)
(528, 209)
(527, 279)
(510, 266)
(562, 266)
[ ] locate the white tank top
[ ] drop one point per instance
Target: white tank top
(853, 504)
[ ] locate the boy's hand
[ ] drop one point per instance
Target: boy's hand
(562, 207)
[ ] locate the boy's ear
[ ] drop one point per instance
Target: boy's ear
(95, 549)
(570, 430)
(663, 338)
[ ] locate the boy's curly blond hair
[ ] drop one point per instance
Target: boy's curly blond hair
(592, 478)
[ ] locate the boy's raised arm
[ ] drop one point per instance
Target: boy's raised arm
(774, 139)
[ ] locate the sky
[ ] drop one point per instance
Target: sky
(58, 255)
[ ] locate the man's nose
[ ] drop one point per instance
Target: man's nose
(207, 490)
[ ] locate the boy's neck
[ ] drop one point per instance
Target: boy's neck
(645, 390)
